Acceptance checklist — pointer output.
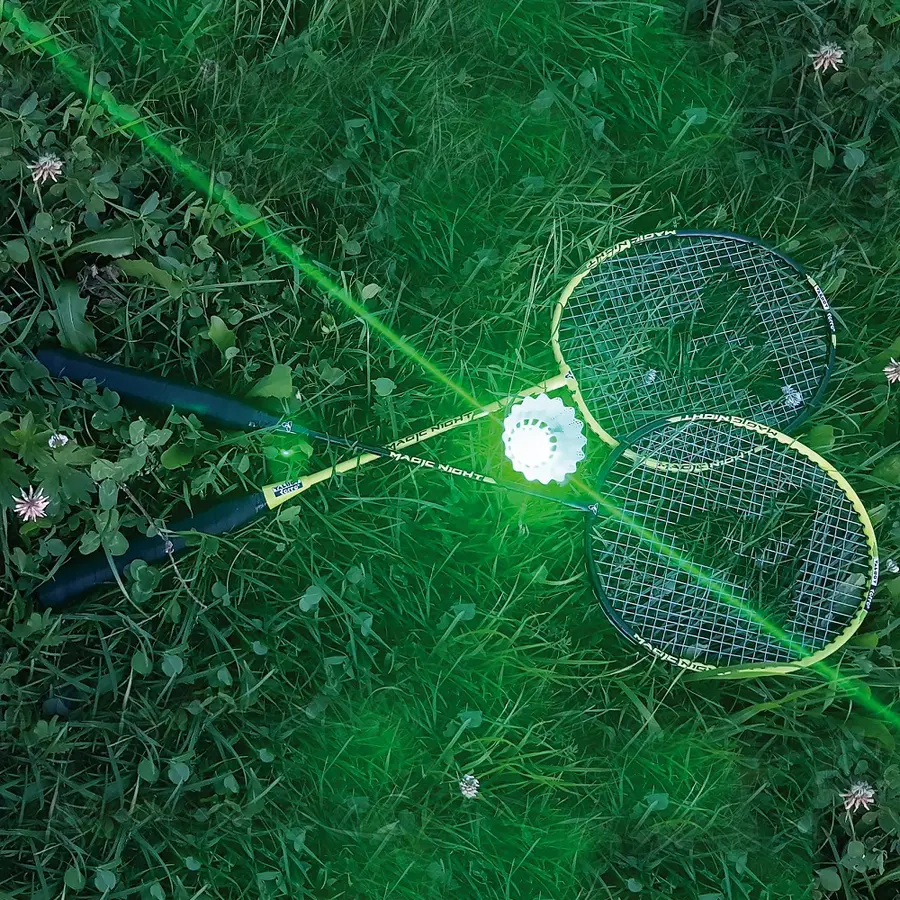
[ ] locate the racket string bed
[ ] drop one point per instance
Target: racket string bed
(703, 389)
(652, 547)
(829, 562)
(604, 332)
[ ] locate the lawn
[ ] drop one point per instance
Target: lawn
(288, 712)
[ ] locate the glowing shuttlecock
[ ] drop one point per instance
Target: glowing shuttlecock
(543, 439)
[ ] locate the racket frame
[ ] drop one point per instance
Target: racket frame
(829, 331)
(743, 670)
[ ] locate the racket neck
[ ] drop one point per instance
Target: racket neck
(395, 452)
(359, 447)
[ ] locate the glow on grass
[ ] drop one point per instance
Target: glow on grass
(248, 219)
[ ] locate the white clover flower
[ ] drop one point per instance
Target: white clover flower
(47, 168)
(208, 69)
(469, 786)
(793, 398)
(860, 796)
(32, 505)
(57, 440)
(892, 371)
(828, 56)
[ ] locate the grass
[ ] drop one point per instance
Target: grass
(222, 732)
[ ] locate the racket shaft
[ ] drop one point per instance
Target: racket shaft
(276, 494)
(291, 487)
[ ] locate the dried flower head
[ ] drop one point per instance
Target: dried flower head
(47, 168)
(97, 280)
(860, 796)
(57, 440)
(208, 69)
(828, 56)
(469, 786)
(32, 505)
(793, 397)
(892, 371)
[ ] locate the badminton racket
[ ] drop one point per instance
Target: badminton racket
(75, 579)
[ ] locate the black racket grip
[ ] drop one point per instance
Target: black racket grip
(76, 579)
(150, 390)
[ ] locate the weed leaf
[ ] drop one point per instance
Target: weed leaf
(276, 384)
(75, 332)
(113, 242)
(220, 334)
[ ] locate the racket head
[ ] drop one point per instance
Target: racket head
(691, 321)
(727, 547)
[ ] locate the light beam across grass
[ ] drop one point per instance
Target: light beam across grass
(247, 217)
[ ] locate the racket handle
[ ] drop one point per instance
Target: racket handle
(151, 390)
(76, 579)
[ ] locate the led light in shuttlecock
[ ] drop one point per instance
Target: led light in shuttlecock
(543, 439)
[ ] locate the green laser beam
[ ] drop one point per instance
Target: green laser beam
(248, 219)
